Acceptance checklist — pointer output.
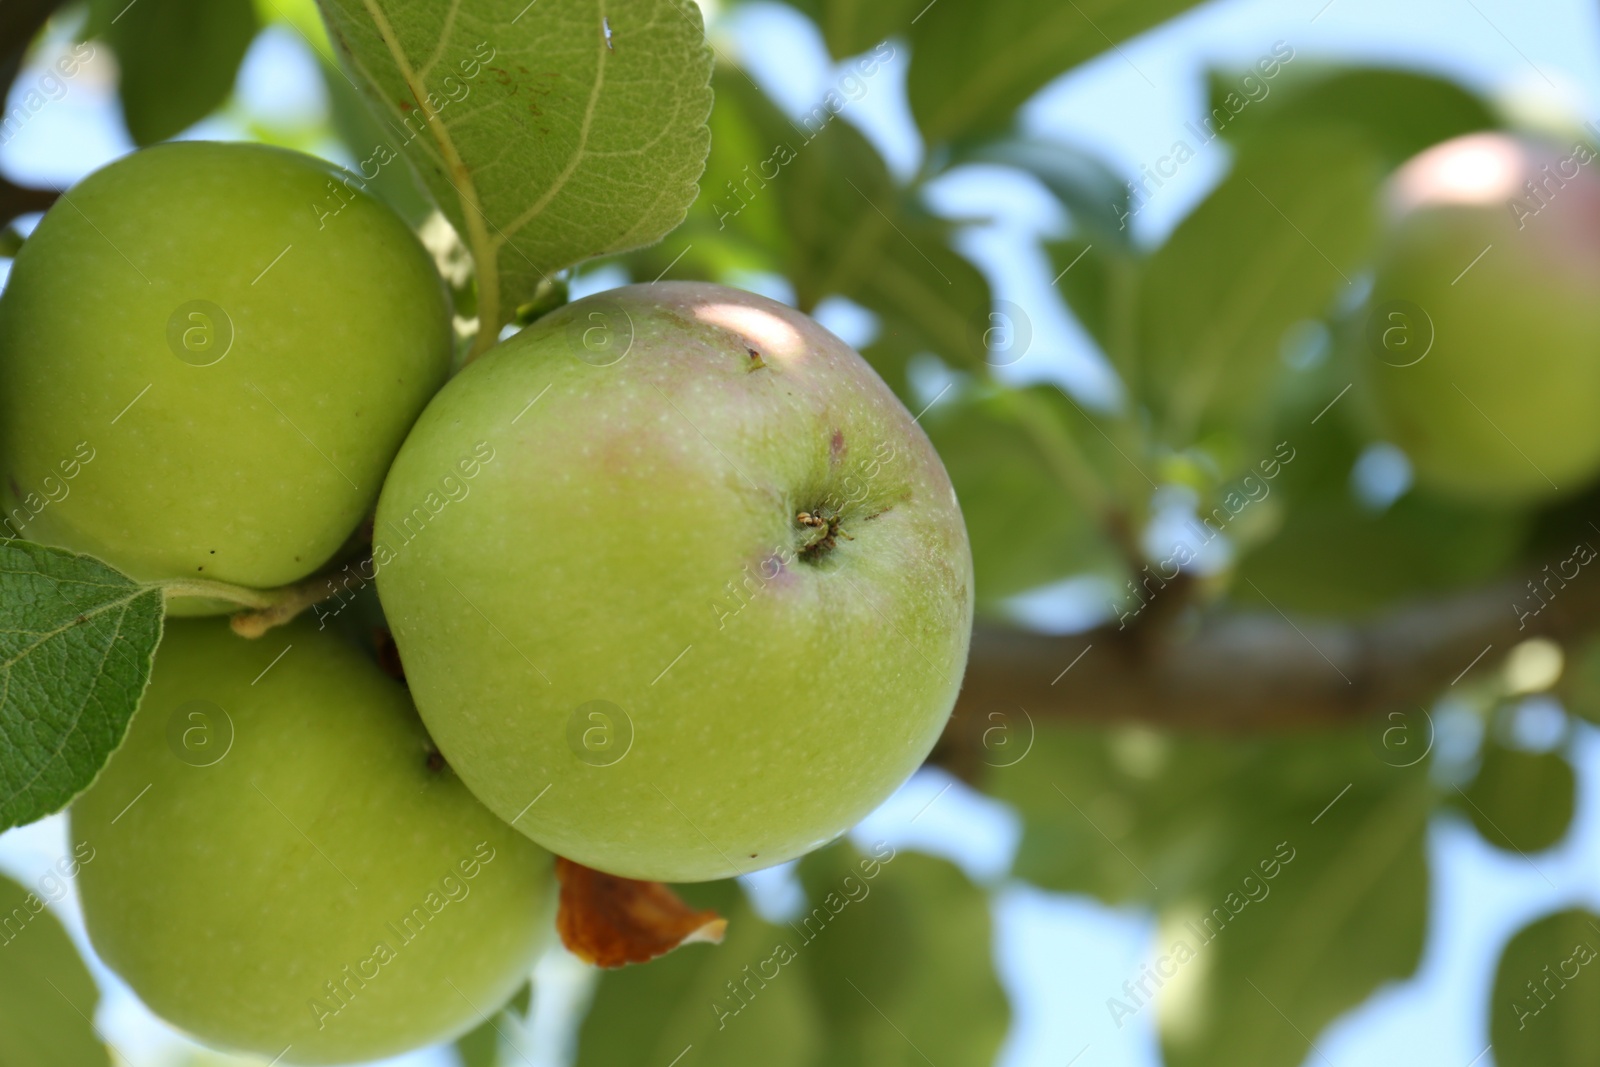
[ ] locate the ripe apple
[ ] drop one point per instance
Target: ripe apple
(681, 589)
(1482, 350)
(280, 868)
(209, 354)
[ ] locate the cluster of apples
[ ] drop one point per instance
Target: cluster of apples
(679, 588)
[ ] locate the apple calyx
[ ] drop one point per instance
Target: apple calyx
(823, 534)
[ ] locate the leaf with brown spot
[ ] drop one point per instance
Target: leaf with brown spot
(611, 921)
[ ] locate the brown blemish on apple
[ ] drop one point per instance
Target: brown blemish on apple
(836, 446)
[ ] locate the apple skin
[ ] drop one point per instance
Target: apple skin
(231, 891)
(253, 469)
(1502, 408)
(634, 538)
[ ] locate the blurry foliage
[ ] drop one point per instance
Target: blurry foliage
(1292, 869)
(1398, 113)
(488, 1044)
(888, 964)
(1366, 559)
(1273, 245)
(1521, 801)
(178, 58)
(1545, 1008)
(47, 997)
(1024, 526)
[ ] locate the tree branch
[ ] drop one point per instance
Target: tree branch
(21, 199)
(1259, 670)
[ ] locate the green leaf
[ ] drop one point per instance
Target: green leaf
(818, 198)
(178, 58)
(1095, 196)
(76, 641)
(481, 1047)
(1365, 560)
(548, 133)
(1283, 235)
(366, 138)
(47, 998)
(1545, 1008)
(1026, 530)
(1580, 681)
(851, 27)
(1398, 112)
(1310, 846)
(1521, 801)
(728, 1005)
(1346, 915)
(973, 64)
(900, 958)
(1084, 275)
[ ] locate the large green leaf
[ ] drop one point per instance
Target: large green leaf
(1521, 801)
(1545, 1008)
(1283, 235)
(548, 132)
(1085, 275)
(973, 64)
(729, 1005)
(177, 58)
(47, 998)
(1347, 914)
(1305, 853)
(76, 642)
(1398, 112)
(899, 955)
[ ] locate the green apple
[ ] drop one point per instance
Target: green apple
(281, 868)
(209, 354)
(681, 589)
(1482, 347)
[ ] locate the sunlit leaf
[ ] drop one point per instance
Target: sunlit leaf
(548, 133)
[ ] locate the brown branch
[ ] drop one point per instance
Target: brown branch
(22, 199)
(1258, 670)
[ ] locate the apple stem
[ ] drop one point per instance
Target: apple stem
(209, 590)
(265, 608)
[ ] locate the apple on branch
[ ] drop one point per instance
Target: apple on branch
(708, 599)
